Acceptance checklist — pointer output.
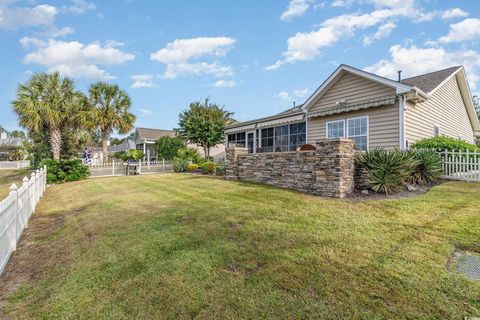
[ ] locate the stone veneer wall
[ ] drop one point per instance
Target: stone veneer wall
(327, 171)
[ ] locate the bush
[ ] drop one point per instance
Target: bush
(65, 170)
(221, 169)
(130, 155)
(427, 167)
(167, 147)
(387, 170)
(209, 167)
(444, 143)
(192, 167)
(185, 157)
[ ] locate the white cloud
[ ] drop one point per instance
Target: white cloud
(80, 6)
(178, 56)
(296, 8)
(454, 13)
(73, 58)
(15, 17)
(225, 84)
(297, 93)
(414, 61)
(468, 29)
(383, 31)
(146, 112)
(143, 81)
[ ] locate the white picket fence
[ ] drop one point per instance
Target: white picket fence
(118, 168)
(15, 211)
(461, 165)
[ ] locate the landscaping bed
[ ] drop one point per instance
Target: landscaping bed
(187, 246)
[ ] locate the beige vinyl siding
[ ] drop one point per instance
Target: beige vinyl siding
(445, 109)
(353, 89)
(383, 126)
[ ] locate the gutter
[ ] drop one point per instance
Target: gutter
(401, 110)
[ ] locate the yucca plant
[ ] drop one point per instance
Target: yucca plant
(427, 167)
(387, 170)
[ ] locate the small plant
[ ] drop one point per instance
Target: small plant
(221, 169)
(427, 167)
(60, 171)
(209, 167)
(184, 158)
(192, 167)
(387, 170)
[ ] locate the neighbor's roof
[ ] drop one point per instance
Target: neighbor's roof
(18, 142)
(429, 81)
(154, 134)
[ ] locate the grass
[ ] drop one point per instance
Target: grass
(7, 177)
(181, 246)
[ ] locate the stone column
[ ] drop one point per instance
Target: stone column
(232, 161)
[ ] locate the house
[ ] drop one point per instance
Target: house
(371, 110)
(144, 140)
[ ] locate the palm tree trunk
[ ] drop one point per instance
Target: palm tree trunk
(105, 146)
(55, 143)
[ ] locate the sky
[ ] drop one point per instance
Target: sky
(254, 58)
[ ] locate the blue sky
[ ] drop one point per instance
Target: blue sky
(253, 57)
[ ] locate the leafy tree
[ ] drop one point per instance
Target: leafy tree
(45, 105)
(476, 103)
(167, 147)
(203, 124)
(17, 134)
(109, 111)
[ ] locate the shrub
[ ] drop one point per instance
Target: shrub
(427, 167)
(192, 167)
(221, 169)
(387, 170)
(444, 143)
(167, 147)
(130, 155)
(184, 158)
(60, 171)
(209, 167)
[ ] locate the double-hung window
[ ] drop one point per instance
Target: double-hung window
(336, 129)
(357, 130)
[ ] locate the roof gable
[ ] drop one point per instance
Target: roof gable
(153, 134)
(341, 70)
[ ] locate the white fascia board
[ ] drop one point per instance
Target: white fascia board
(445, 81)
(400, 88)
(468, 99)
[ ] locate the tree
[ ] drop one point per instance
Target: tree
(167, 147)
(17, 134)
(109, 111)
(203, 124)
(476, 103)
(46, 104)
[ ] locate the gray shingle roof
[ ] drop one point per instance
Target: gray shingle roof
(429, 81)
(18, 142)
(154, 134)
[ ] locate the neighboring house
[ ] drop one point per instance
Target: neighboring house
(371, 110)
(122, 147)
(6, 144)
(145, 138)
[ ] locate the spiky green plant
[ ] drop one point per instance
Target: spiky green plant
(427, 167)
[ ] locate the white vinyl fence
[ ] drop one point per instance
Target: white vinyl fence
(15, 211)
(461, 165)
(20, 164)
(120, 168)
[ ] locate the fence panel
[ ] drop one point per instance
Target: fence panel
(15, 211)
(461, 165)
(119, 168)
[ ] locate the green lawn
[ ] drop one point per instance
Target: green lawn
(181, 246)
(7, 177)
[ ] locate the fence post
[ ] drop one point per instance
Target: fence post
(37, 185)
(33, 193)
(163, 164)
(14, 195)
(113, 167)
(140, 166)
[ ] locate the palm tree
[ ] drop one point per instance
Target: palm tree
(47, 103)
(109, 110)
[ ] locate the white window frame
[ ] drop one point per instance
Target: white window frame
(334, 121)
(368, 129)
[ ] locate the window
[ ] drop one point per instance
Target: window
(336, 129)
(357, 130)
(297, 135)
(267, 140)
(281, 138)
(236, 140)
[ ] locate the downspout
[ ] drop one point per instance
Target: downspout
(401, 109)
(306, 127)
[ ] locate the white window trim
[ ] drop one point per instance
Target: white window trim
(368, 129)
(334, 121)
